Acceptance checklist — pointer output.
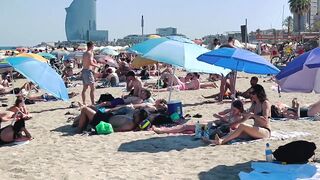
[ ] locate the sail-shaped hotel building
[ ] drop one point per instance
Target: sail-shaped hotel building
(80, 24)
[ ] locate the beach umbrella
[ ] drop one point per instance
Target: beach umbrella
(107, 60)
(177, 51)
(140, 62)
(239, 60)
(33, 56)
(153, 36)
(109, 51)
(302, 74)
(60, 53)
(41, 74)
(47, 55)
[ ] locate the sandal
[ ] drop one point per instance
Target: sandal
(197, 115)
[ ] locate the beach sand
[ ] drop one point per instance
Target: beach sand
(57, 153)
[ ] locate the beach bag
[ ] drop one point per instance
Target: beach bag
(296, 152)
(105, 97)
(104, 128)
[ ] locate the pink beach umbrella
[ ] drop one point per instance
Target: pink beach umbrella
(107, 60)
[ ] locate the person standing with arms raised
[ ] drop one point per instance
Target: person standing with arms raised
(89, 63)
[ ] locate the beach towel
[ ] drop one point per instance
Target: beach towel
(275, 135)
(268, 171)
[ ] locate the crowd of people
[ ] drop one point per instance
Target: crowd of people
(139, 111)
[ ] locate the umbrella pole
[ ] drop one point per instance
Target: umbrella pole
(170, 92)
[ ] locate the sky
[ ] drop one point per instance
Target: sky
(30, 22)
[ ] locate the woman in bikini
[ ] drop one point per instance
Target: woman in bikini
(260, 111)
(19, 106)
(13, 132)
(282, 110)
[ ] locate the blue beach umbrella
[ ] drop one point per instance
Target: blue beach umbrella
(41, 74)
(47, 55)
(177, 51)
(239, 60)
(302, 74)
(109, 51)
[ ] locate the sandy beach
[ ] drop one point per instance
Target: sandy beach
(57, 153)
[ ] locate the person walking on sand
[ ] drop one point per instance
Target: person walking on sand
(89, 63)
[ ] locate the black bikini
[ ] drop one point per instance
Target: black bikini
(261, 114)
(18, 125)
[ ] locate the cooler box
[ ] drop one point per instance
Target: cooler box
(175, 107)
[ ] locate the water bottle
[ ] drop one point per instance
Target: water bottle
(268, 153)
(198, 132)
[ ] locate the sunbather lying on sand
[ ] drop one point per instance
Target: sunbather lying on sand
(120, 123)
(282, 110)
(159, 106)
(231, 119)
(193, 84)
(144, 96)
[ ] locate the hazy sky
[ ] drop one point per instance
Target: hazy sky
(29, 22)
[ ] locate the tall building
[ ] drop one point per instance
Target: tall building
(169, 31)
(80, 24)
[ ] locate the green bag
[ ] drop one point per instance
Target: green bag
(104, 128)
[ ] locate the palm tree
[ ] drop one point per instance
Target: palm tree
(288, 23)
(299, 7)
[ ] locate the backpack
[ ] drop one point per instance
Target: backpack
(296, 152)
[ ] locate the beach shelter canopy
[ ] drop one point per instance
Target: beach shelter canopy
(41, 74)
(302, 74)
(176, 51)
(34, 56)
(239, 60)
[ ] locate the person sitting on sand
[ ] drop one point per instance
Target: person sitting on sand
(19, 106)
(231, 118)
(134, 84)
(120, 123)
(13, 132)
(253, 81)
(193, 84)
(282, 110)
(260, 111)
(246, 94)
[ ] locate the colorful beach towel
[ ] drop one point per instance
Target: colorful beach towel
(267, 171)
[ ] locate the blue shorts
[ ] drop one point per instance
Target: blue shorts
(87, 76)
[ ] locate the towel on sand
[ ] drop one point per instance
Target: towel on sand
(275, 135)
(268, 171)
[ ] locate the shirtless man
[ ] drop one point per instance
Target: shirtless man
(88, 72)
(134, 83)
